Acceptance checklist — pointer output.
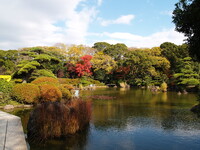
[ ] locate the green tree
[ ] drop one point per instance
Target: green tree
(100, 46)
(39, 58)
(116, 51)
(8, 61)
(174, 54)
(187, 76)
(103, 61)
(102, 65)
(186, 17)
(145, 67)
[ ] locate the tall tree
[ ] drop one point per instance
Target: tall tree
(116, 51)
(174, 54)
(186, 17)
(100, 46)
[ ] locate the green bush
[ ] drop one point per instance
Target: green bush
(5, 87)
(66, 94)
(26, 93)
(5, 90)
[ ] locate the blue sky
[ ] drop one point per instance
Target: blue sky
(137, 23)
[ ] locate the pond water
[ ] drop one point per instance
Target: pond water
(134, 120)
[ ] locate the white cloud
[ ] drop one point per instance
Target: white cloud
(99, 2)
(35, 22)
(152, 40)
(126, 19)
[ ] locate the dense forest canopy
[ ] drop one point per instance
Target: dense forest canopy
(105, 62)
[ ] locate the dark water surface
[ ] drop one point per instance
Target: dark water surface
(136, 120)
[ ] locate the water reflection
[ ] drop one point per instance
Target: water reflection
(71, 142)
(137, 119)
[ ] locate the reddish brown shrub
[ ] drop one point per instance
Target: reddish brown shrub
(81, 112)
(45, 80)
(50, 93)
(55, 119)
(26, 93)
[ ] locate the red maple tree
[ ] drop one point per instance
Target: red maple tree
(83, 68)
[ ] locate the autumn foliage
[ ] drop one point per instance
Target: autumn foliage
(50, 93)
(54, 119)
(83, 68)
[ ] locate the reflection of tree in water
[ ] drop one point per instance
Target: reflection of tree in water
(119, 116)
(71, 142)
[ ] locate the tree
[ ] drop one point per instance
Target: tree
(146, 67)
(101, 61)
(100, 46)
(174, 54)
(186, 17)
(83, 68)
(37, 59)
(102, 65)
(116, 51)
(8, 61)
(187, 76)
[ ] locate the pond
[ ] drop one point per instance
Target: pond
(134, 119)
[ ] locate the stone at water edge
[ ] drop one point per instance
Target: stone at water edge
(7, 107)
(28, 106)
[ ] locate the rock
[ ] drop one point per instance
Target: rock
(196, 109)
(185, 92)
(179, 93)
(19, 106)
(8, 107)
(28, 106)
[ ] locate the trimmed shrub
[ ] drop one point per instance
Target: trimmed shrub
(62, 80)
(26, 93)
(67, 86)
(163, 87)
(50, 93)
(73, 82)
(45, 80)
(66, 94)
